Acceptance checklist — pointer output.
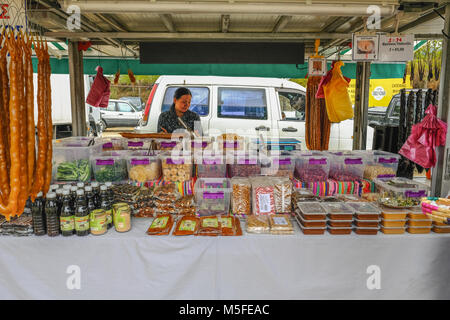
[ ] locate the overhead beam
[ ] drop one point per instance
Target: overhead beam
(168, 22)
(163, 7)
(198, 35)
(281, 23)
(423, 19)
(225, 23)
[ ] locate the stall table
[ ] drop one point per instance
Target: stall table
(134, 265)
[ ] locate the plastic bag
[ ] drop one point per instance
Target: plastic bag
(325, 79)
(100, 91)
(337, 99)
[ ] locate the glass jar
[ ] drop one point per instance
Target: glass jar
(98, 222)
(122, 217)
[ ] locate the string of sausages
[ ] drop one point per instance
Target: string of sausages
(21, 174)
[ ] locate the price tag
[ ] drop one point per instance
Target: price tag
(317, 66)
(365, 48)
(397, 48)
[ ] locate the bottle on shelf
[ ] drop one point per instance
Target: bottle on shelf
(106, 205)
(80, 185)
(38, 214)
(59, 200)
(110, 192)
(81, 215)
(67, 218)
(96, 190)
(51, 213)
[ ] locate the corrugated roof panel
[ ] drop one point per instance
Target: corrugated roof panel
(306, 24)
(141, 22)
(252, 23)
(197, 22)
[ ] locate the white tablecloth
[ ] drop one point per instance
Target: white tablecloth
(134, 265)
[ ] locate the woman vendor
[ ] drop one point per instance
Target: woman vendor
(169, 121)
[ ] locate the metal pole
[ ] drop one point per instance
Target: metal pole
(361, 105)
(440, 180)
(77, 90)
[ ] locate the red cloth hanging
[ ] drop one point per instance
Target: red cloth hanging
(425, 137)
(100, 91)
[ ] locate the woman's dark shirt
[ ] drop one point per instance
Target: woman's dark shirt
(169, 121)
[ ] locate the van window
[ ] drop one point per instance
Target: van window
(292, 105)
(111, 106)
(199, 101)
(124, 107)
(242, 103)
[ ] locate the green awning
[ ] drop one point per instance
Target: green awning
(110, 66)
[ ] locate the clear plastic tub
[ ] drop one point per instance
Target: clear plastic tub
(366, 223)
(245, 166)
(71, 160)
(340, 223)
(312, 211)
(365, 210)
(311, 223)
(111, 167)
(339, 230)
(212, 196)
(176, 167)
(168, 145)
(380, 164)
(211, 166)
(199, 144)
(139, 144)
(393, 223)
(366, 231)
(312, 167)
(419, 230)
(281, 165)
(387, 230)
(419, 223)
(143, 168)
(416, 213)
(309, 230)
(113, 143)
(338, 210)
(347, 166)
(402, 188)
(393, 214)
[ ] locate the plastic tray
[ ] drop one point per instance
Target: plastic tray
(365, 210)
(387, 230)
(340, 223)
(405, 188)
(311, 223)
(393, 223)
(437, 229)
(366, 223)
(393, 214)
(418, 230)
(420, 223)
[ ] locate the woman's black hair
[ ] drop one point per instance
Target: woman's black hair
(181, 91)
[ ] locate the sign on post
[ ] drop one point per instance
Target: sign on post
(365, 47)
(317, 66)
(13, 15)
(398, 48)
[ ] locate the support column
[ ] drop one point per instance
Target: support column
(440, 180)
(77, 90)
(361, 105)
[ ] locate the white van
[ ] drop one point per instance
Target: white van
(244, 105)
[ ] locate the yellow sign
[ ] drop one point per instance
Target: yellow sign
(381, 90)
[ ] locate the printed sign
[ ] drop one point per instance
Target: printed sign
(12, 14)
(365, 48)
(397, 48)
(317, 66)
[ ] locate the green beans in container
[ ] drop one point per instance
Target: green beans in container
(110, 166)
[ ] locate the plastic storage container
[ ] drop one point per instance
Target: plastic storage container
(143, 168)
(419, 230)
(366, 231)
(393, 214)
(338, 211)
(387, 230)
(393, 223)
(347, 166)
(114, 143)
(440, 229)
(71, 160)
(340, 223)
(139, 144)
(311, 223)
(339, 230)
(244, 166)
(199, 144)
(309, 230)
(365, 210)
(380, 164)
(168, 145)
(109, 167)
(416, 213)
(419, 223)
(312, 167)
(212, 196)
(211, 166)
(402, 188)
(281, 165)
(312, 211)
(176, 167)
(230, 142)
(366, 223)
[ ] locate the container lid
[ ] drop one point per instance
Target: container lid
(80, 185)
(311, 208)
(67, 187)
(103, 188)
(51, 195)
(364, 207)
(108, 184)
(420, 220)
(392, 228)
(80, 192)
(337, 208)
(366, 228)
(74, 188)
(346, 221)
(88, 189)
(339, 228)
(399, 184)
(95, 184)
(413, 227)
(388, 210)
(416, 209)
(65, 192)
(443, 227)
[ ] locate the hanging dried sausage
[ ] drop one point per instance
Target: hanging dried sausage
(48, 111)
(4, 178)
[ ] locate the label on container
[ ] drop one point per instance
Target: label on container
(234, 144)
(211, 161)
(353, 161)
(188, 225)
(160, 222)
(382, 176)
(67, 223)
(387, 160)
(174, 161)
(195, 144)
(135, 143)
(82, 223)
(104, 162)
(98, 223)
(108, 145)
(213, 195)
(213, 184)
(171, 144)
(246, 161)
(280, 221)
(286, 161)
(210, 223)
(226, 222)
(135, 162)
(109, 217)
(414, 194)
(315, 161)
(264, 203)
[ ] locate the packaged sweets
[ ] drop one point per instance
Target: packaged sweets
(246, 165)
(312, 211)
(282, 194)
(258, 224)
(280, 224)
(230, 226)
(143, 168)
(122, 217)
(209, 226)
(347, 166)
(187, 225)
(312, 167)
(176, 167)
(161, 225)
(212, 196)
(281, 165)
(241, 196)
(380, 164)
(263, 199)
